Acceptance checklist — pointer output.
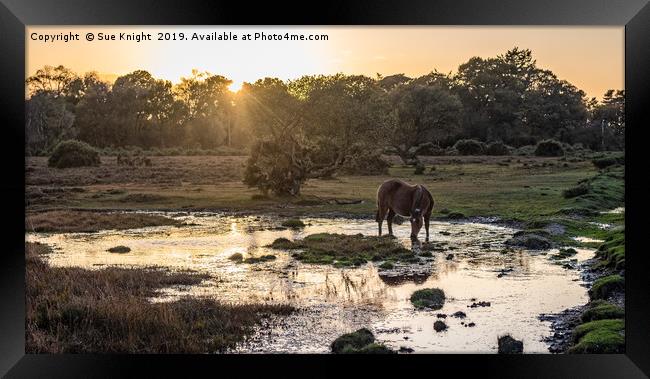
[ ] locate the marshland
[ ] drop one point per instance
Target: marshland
(257, 233)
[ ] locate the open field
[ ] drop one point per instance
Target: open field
(508, 187)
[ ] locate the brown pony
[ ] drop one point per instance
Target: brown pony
(397, 197)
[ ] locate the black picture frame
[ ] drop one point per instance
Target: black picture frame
(16, 14)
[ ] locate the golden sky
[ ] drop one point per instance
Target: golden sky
(592, 58)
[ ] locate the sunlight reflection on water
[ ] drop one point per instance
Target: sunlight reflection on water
(519, 285)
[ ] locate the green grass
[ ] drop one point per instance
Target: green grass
(601, 310)
(605, 191)
(605, 286)
(612, 252)
(601, 336)
(344, 250)
(473, 186)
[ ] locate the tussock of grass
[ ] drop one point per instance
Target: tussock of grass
(73, 310)
(361, 341)
(263, 258)
(119, 249)
(601, 336)
(612, 252)
(67, 221)
(605, 286)
(564, 253)
(344, 250)
(433, 298)
(601, 310)
(293, 223)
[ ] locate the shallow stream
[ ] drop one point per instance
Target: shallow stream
(519, 285)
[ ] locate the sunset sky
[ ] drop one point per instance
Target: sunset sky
(592, 58)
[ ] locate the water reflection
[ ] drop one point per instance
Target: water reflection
(467, 261)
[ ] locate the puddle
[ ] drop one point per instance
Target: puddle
(332, 301)
(588, 240)
(615, 210)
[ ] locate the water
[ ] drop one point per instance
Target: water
(519, 285)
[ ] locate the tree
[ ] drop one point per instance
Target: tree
(424, 110)
(312, 125)
(554, 108)
(94, 113)
(141, 108)
(54, 80)
(209, 110)
(47, 121)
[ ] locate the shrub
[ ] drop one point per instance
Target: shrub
(497, 148)
(605, 162)
(429, 149)
(469, 147)
(364, 161)
(525, 150)
(549, 148)
(72, 153)
(419, 168)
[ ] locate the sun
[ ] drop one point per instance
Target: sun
(235, 86)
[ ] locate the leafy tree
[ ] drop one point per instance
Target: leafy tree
(424, 110)
(208, 104)
(54, 80)
(313, 125)
(47, 121)
(141, 107)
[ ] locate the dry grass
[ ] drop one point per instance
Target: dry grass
(74, 310)
(84, 221)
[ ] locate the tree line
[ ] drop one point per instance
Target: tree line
(319, 124)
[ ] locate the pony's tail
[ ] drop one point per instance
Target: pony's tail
(377, 216)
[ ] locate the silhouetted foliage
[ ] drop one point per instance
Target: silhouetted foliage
(73, 153)
(506, 98)
(549, 148)
(469, 147)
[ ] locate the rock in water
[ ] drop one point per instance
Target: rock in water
(439, 326)
(509, 345)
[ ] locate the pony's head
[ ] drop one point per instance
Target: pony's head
(416, 222)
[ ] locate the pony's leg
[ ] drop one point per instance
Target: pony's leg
(391, 214)
(381, 213)
(427, 217)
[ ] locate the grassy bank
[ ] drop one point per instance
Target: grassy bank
(74, 221)
(74, 310)
(602, 326)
